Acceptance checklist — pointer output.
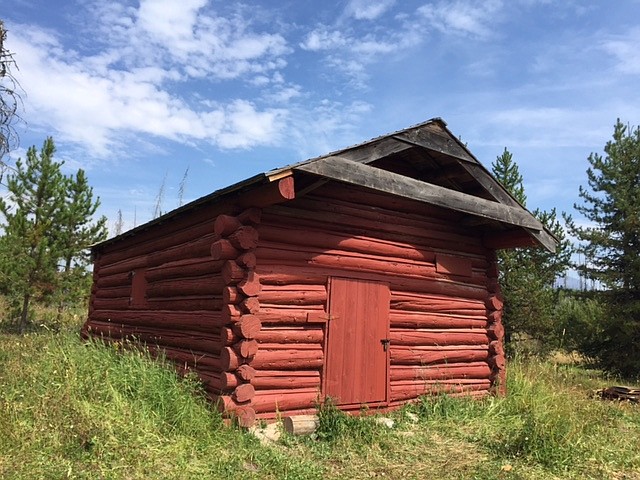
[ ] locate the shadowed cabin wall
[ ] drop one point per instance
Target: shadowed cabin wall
(185, 286)
(445, 328)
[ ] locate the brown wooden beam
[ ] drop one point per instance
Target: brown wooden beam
(520, 238)
(374, 151)
(435, 142)
(277, 191)
(509, 239)
(354, 173)
(547, 240)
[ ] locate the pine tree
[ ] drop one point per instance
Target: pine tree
(527, 275)
(508, 173)
(31, 211)
(611, 246)
(47, 228)
(76, 233)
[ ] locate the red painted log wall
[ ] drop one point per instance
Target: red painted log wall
(436, 320)
(241, 297)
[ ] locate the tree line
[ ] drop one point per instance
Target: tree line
(603, 324)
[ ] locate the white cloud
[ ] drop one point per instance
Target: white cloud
(130, 87)
(171, 23)
(244, 127)
(185, 35)
(463, 17)
(625, 48)
(284, 94)
(350, 51)
(323, 38)
(541, 127)
(328, 126)
(367, 9)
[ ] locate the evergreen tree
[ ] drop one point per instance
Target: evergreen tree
(47, 228)
(612, 203)
(76, 232)
(611, 246)
(508, 173)
(31, 211)
(527, 275)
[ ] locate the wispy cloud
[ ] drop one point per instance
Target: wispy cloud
(349, 49)
(463, 17)
(625, 48)
(324, 38)
(367, 9)
(101, 98)
(391, 32)
(538, 127)
(334, 125)
(188, 38)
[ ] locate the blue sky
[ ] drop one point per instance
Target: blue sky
(137, 92)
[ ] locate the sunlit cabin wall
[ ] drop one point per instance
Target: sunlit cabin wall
(445, 329)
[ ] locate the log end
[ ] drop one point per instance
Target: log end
(243, 393)
(301, 424)
(246, 372)
(247, 348)
(245, 416)
(248, 326)
(250, 285)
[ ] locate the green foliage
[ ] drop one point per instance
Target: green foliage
(334, 424)
(70, 409)
(579, 321)
(616, 348)
(76, 233)
(73, 409)
(547, 419)
(527, 275)
(612, 204)
(506, 170)
(30, 246)
(46, 228)
(611, 245)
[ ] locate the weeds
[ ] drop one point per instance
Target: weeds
(547, 419)
(73, 409)
(335, 425)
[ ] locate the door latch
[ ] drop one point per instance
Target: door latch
(385, 343)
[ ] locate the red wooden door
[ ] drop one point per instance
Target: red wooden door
(356, 361)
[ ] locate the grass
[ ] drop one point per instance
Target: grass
(70, 409)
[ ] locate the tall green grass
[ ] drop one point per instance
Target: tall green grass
(549, 419)
(73, 409)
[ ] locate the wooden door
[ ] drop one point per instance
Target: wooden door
(357, 358)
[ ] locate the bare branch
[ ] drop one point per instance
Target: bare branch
(10, 100)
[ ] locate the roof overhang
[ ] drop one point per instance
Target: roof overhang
(354, 173)
(452, 178)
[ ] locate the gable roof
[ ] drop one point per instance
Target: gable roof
(425, 163)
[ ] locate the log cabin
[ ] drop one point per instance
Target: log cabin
(368, 276)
